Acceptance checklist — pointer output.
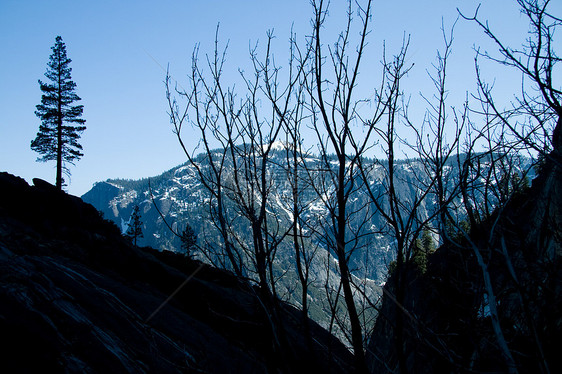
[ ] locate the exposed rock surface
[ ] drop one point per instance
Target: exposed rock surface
(76, 297)
(446, 312)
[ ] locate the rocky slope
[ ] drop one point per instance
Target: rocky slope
(76, 297)
(454, 320)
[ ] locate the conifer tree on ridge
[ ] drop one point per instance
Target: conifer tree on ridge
(134, 231)
(61, 125)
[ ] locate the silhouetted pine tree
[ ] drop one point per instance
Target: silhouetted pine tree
(61, 124)
(188, 240)
(424, 246)
(135, 226)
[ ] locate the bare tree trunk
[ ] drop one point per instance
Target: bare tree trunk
(339, 135)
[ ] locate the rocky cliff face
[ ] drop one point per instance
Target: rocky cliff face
(182, 199)
(76, 297)
(450, 321)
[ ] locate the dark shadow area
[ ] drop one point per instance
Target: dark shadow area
(75, 296)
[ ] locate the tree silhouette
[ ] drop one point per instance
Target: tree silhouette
(188, 240)
(61, 125)
(135, 226)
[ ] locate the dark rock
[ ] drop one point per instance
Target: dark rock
(76, 297)
(44, 185)
(447, 321)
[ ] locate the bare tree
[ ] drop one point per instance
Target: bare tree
(400, 213)
(201, 100)
(246, 137)
(239, 129)
(435, 153)
(239, 175)
(492, 174)
(331, 85)
(291, 112)
(534, 122)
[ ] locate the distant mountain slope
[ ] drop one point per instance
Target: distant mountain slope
(76, 297)
(182, 200)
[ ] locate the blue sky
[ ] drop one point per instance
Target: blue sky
(121, 48)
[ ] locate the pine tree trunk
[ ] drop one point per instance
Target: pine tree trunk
(59, 146)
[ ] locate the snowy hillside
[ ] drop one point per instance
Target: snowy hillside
(176, 198)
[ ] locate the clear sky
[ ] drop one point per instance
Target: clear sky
(120, 49)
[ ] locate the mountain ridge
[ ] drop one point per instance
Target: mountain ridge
(182, 201)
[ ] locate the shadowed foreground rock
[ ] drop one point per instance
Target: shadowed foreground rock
(76, 297)
(448, 324)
